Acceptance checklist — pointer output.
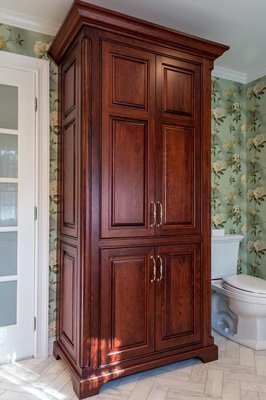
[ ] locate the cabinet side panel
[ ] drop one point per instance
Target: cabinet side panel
(68, 320)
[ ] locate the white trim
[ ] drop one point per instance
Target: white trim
(31, 23)
(229, 74)
(256, 73)
(41, 70)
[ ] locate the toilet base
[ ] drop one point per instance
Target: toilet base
(246, 330)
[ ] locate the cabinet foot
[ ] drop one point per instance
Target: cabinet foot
(209, 353)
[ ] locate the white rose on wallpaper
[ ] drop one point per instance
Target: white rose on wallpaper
(258, 192)
(41, 48)
(259, 246)
(250, 245)
(244, 229)
(54, 119)
(258, 88)
(250, 194)
(218, 112)
(250, 142)
(258, 139)
(236, 157)
(229, 145)
(236, 209)
(236, 106)
(218, 166)
(3, 42)
(218, 219)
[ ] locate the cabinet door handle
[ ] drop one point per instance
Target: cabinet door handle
(161, 269)
(161, 213)
(153, 212)
(154, 269)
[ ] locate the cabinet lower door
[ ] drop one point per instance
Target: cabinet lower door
(127, 312)
(178, 296)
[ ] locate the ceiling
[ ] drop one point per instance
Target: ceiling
(238, 23)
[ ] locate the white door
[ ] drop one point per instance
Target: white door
(17, 201)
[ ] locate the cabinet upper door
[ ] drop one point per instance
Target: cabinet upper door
(179, 156)
(128, 134)
(178, 299)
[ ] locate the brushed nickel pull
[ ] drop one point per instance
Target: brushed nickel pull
(161, 213)
(154, 269)
(161, 269)
(153, 211)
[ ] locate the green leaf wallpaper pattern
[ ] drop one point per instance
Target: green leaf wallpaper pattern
(229, 160)
(238, 159)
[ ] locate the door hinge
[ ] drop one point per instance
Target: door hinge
(36, 104)
(34, 323)
(35, 213)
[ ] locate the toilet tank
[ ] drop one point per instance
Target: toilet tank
(224, 255)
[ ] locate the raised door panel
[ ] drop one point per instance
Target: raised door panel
(127, 312)
(127, 142)
(68, 314)
(179, 297)
(70, 148)
(179, 153)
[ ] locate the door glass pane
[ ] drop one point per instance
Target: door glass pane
(8, 204)
(8, 303)
(8, 156)
(8, 253)
(8, 107)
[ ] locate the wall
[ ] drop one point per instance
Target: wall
(34, 44)
(229, 160)
(256, 177)
(239, 167)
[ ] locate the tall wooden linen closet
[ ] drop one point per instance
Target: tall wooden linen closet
(134, 275)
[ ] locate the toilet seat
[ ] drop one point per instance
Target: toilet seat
(250, 285)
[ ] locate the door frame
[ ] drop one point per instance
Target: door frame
(40, 68)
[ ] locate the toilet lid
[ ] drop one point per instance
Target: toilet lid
(246, 283)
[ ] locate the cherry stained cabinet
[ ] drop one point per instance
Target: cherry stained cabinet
(134, 178)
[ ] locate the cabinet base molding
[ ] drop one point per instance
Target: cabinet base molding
(90, 385)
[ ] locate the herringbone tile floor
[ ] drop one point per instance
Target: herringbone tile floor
(240, 373)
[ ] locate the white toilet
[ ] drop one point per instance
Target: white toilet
(238, 301)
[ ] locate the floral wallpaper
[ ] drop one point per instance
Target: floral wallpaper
(238, 159)
(229, 179)
(256, 177)
(35, 44)
(238, 167)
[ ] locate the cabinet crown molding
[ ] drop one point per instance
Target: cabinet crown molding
(84, 14)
